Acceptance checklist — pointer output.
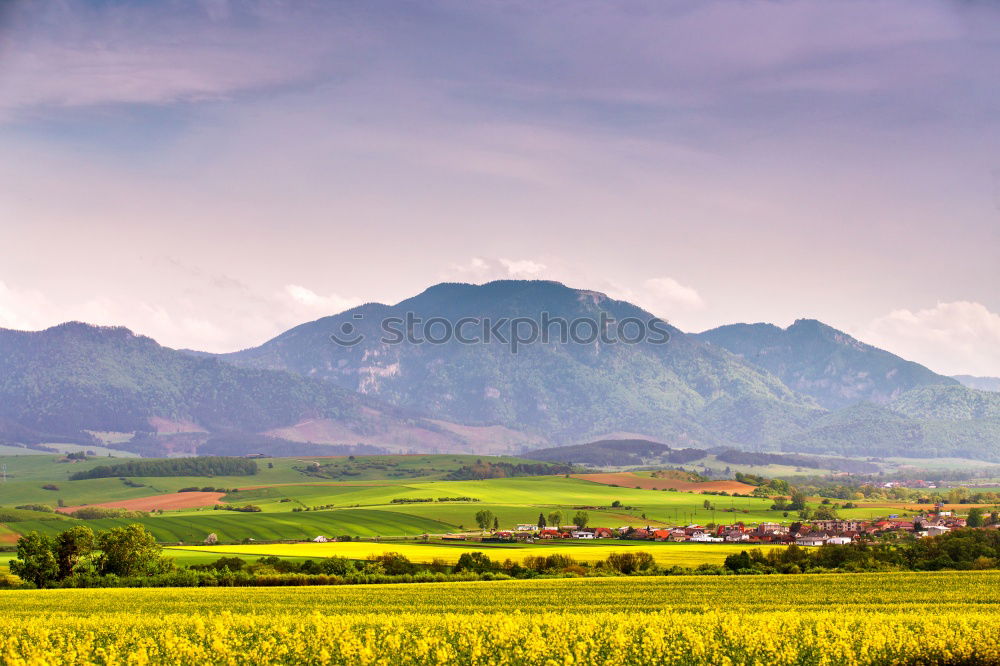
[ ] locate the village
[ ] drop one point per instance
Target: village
(811, 533)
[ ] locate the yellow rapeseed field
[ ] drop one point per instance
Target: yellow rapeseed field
(665, 554)
(941, 618)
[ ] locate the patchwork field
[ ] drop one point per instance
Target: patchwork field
(940, 618)
(368, 496)
(7, 536)
(633, 480)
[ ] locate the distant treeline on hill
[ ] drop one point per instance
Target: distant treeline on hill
(499, 470)
(794, 460)
(207, 466)
(608, 452)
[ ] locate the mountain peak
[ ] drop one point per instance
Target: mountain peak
(830, 365)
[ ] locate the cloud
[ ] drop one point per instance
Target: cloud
(310, 300)
(960, 337)
(669, 291)
(75, 54)
(485, 269)
(206, 311)
(519, 268)
(20, 308)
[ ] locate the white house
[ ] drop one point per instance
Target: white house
(526, 527)
(936, 530)
(810, 541)
(320, 539)
(576, 534)
(701, 537)
(839, 540)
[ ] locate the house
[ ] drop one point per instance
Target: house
(936, 530)
(725, 530)
(837, 525)
(769, 538)
(661, 535)
(526, 527)
(768, 528)
(839, 540)
(603, 533)
(320, 539)
(550, 533)
(810, 540)
(499, 537)
(706, 538)
(581, 534)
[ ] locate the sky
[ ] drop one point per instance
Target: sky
(213, 173)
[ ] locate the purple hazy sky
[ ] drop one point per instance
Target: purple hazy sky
(212, 173)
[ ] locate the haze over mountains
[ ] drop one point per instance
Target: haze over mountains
(979, 383)
(807, 388)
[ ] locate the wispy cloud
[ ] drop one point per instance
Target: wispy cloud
(668, 292)
(77, 54)
(960, 337)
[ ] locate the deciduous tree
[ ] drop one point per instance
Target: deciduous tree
(35, 561)
(484, 518)
(129, 551)
(72, 545)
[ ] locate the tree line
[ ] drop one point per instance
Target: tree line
(963, 549)
(195, 466)
(500, 470)
(78, 552)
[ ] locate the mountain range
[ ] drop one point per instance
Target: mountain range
(979, 383)
(807, 388)
(820, 361)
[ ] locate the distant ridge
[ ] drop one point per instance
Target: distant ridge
(60, 383)
(820, 361)
(979, 383)
(754, 387)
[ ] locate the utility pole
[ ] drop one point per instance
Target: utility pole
(4, 468)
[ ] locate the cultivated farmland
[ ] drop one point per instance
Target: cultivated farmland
(665, 554)
(849, 619)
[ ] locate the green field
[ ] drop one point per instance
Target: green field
(234, 526)
(358, 500)
(26, 474)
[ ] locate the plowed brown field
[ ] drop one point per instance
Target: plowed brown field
(165, 502)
